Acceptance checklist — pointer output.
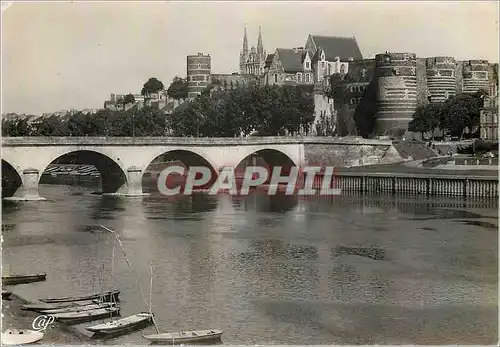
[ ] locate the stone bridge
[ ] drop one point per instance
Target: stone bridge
(122, 161)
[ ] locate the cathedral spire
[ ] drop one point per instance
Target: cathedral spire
(245, 42)
(260, 47)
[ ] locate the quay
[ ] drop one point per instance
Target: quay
(415, 183)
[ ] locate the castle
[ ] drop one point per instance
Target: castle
(393, 85)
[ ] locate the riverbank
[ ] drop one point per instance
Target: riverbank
(56, 333)
(405, 168)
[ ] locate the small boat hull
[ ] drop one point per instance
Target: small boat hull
(85, 316)
(186, 337)
(45, 306)
(126, 324)
(6, 294)
(22, 279)
(107, 296)
(77, 308)
(20, 336)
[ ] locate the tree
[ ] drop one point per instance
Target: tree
(16, 126)
(178, 89)
(153, 85)
(461, 112)
(51, 126)
(364, 115)
(426, 119)
(128, 99)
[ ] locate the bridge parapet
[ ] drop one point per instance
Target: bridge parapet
(185, 141)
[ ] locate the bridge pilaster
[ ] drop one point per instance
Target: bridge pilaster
(29, 188)
(134, 180)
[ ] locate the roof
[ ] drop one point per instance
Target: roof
(343, 47)
(292, 59)
(269, 60)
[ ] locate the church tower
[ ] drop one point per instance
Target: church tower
(244, 53)
(260, 47)
(252, 61)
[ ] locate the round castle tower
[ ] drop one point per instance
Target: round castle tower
(475, 76)
(396, 91)
(441, 78)
(198, 73)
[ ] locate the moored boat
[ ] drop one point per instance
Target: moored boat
(6, 294)
(121, 325)
(106, 296)
(22, 279)
(20, 336)
(78, 308)
(84, 316)
(185, 336)
(40, 306)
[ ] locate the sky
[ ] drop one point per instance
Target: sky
(64, 55)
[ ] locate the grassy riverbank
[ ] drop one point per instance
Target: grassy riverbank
(16, 318)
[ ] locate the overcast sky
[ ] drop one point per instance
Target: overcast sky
(62, 55)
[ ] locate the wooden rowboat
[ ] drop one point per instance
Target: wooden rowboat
(121, 325)
(20, 336)
(21, 279)
(35, 306)
(6, 294)
(185, 336)
(85, 316)
(78, 308)
(106, 296)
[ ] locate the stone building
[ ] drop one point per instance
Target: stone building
(321, 57)
(252, 61)
(198, 73)
(331, 54)
(235, 80)
(115, 101)
(289, 66)
(489, 113)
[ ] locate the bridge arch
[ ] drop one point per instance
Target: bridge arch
(273, 156)
(267, 158)
(11, 179)
(113, 175)
(182, 157)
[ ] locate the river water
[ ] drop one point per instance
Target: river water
(270, 270)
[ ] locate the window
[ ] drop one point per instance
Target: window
(361, 88)
(342, 69)
(322, 64)
(299, 77)
(307, 77)
(308, 65)
(353, 89)
(353, 101)
(275, 78)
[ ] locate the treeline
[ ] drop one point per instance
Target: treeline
(267, 111)
(215, 113)
(456, 116)
(147, 121)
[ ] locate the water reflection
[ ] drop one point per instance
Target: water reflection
(276, 269)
